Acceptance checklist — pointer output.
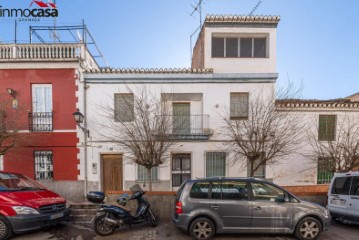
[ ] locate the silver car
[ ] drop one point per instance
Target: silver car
(204, 207)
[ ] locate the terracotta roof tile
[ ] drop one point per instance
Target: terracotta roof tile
(313, 103)
(243, 18)
(152, 70)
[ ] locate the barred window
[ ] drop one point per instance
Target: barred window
(260, 172)
(239, 105)
(124, 107)
(44, 165)
(142, 173)
(325, 170)
(215, 164)
(327, 127)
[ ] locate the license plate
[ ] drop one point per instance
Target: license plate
(57, 215)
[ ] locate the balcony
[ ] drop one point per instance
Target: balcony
(40, 121)
(53, 52)
(190, 127)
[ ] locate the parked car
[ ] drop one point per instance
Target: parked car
(204, 207)
(26, 205)
(343, 197)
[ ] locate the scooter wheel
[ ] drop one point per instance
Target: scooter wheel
(151, 218)
(101, 227)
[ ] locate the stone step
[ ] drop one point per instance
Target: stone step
(82, 218)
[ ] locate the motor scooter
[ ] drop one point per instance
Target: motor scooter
(110, 217)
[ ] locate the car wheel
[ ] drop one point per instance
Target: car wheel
(308, 229)
(202, 228)
(5, 228)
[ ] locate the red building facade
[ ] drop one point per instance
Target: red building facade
(46, 99)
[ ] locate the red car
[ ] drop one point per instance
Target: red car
(26, 205)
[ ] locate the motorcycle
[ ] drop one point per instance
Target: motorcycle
(110, 217)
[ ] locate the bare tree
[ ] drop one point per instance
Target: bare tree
(343, 152)
(268, 132)
(9, 125)
(142, 128)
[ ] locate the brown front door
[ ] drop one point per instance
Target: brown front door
(112, 172)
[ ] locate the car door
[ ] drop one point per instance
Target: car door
(353, 206)
(339, 195)
(229, 200)
(271, 209)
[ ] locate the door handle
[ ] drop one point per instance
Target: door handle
(357, 198)
(257, 208)
(215, 206)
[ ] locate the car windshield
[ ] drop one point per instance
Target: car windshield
(17, 182)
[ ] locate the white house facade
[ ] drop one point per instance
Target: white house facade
(234, 60)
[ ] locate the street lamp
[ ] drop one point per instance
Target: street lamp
(79, 118)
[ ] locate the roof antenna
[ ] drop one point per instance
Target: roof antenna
(196, 8)
(255, 8)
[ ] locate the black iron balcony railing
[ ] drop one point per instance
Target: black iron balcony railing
(190, 127)
(40, 121)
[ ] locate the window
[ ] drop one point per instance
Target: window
(215, 164)
(181, 118)
(43, 165)
(142, 173)
(231, 47)
(239, 106)
(217, 47)
(260, 172)
(216, 191)
(181, 168)
(325, 170)
(124, 107)
(355, 186)
(266, 192)
(199, 190)
(244, 47)
(234, 190)
(341, 185)
(327, 127)
(41, 117)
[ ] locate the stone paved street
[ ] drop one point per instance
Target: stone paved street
(168, 231)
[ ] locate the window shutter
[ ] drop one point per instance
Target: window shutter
(239, 105)
(327, 127)
(124, 107)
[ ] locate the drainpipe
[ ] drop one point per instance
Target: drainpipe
(86, 134)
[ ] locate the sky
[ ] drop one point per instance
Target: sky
(317, 41)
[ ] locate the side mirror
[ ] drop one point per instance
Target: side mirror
(280, 199)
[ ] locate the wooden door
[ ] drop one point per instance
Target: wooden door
(112, 172)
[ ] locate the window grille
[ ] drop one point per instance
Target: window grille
(44, 165)
(142, 173)
(215, 164)
(325, 170)
(260, 172)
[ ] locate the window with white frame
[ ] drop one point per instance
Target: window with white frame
(40, 119)
(239, 106)
(124, 107)
(142, 173)
(243, 47)
(44, 165)
(181, 168)
(215, 164)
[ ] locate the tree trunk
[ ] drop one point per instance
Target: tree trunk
(149, 178)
